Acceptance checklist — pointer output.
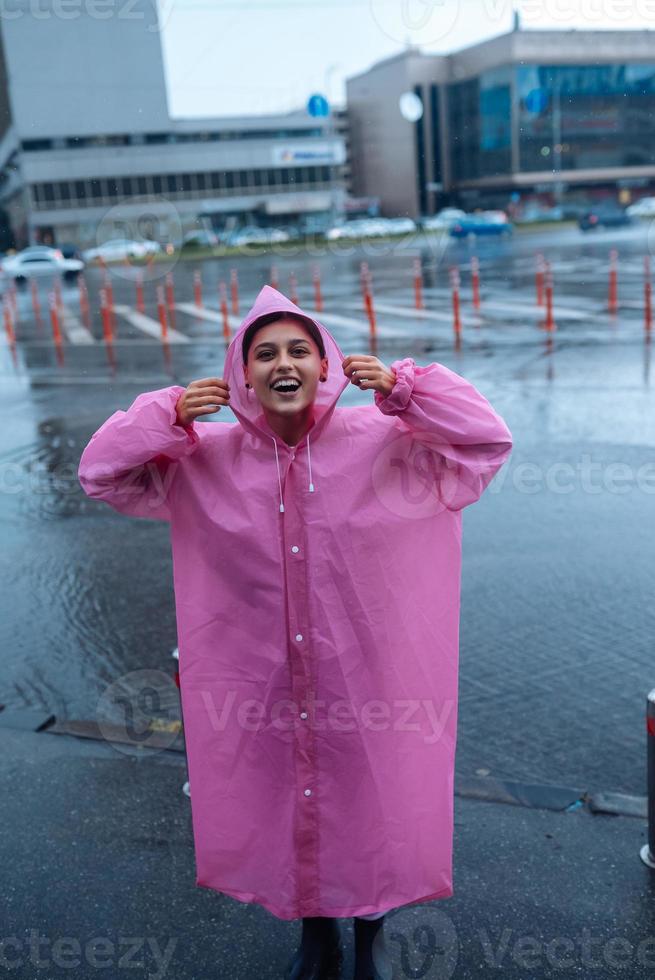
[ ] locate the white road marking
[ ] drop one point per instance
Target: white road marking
(74, 328)
(147, 325)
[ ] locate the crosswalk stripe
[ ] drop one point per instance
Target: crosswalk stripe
(74, 329)
(149, 326)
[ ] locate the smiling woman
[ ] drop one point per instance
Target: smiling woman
(317, 556)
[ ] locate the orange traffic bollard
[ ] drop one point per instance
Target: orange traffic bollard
(36, 306)
(54, 318)
(293, 288)
(197, 288)
(367, 286)
(161, 310)
(234, 289)
(613, 288)
(318, 296)
(226, 319)
(418, 285)
(475, 281)
(275, 282)
(140, 305)
(170, 297)
(454, 285)
(9, 326)
(539, 278)
(548, 292)
(648, 295)
(105, 313)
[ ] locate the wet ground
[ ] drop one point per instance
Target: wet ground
(557, 617)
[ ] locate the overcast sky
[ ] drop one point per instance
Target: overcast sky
(232, 57)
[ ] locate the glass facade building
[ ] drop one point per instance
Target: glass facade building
(564, 117)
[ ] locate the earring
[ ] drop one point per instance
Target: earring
(247, 385)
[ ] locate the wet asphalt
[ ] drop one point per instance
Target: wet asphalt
(557, 613)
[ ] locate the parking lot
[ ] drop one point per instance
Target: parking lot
(557, 614)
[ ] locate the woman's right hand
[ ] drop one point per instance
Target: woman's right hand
(202, 397)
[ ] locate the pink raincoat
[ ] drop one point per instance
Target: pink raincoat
(317, 592)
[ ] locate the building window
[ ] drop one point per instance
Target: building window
(200, 181)
(126, 186)
(157, 184)
(171, 184)
(229, 179)
(80, 190)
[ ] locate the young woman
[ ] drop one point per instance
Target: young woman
(317, 555)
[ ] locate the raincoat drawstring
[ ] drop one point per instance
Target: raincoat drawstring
(279, 477)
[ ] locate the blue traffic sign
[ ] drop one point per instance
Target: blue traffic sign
(537, 100)
(318, 105)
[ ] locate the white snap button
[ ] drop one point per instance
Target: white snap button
(295, 549)
(299, 637)
(308, 792)
(303, 714)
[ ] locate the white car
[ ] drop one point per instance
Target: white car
(644, 208)
(400, 226)
(116, 249)
(444, 218)
(258, 236)
(39, 260)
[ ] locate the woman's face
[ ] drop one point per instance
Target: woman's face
(285, 349)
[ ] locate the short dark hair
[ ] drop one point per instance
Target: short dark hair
(263, 321)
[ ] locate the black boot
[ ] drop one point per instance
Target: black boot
(372, 960)
(320, 954)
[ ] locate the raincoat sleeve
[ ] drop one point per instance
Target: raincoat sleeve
(131, 460)
(468, 441)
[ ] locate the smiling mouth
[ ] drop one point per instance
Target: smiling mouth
(287, 389)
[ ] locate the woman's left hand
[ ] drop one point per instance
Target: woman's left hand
(367, 371)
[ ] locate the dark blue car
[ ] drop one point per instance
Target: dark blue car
(487, 223)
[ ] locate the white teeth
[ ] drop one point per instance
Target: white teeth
(282, 385)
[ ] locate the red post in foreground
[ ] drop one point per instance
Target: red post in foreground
(648, 295)
(550, 318)
(9, 327)
(418, 285)
(105, 313)
(367, 291)
(36, 306)
(54, 319)
(197, 288)
(475, 281)
(234, 286)
(318, 296)
(226, 319)
(613, 289)
(293, 288)
(161, 310)
(275, 282)
(170, 297)
(454, 285)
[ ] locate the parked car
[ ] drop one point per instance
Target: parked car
(538, 212)
(119, 248)
(443, 219)
(40, 260)
(70, 251)
(604, 216)
(252, 235)
(644, 208)
(199, 239)
(485, 223)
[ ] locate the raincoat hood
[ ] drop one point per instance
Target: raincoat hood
(245, 404)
